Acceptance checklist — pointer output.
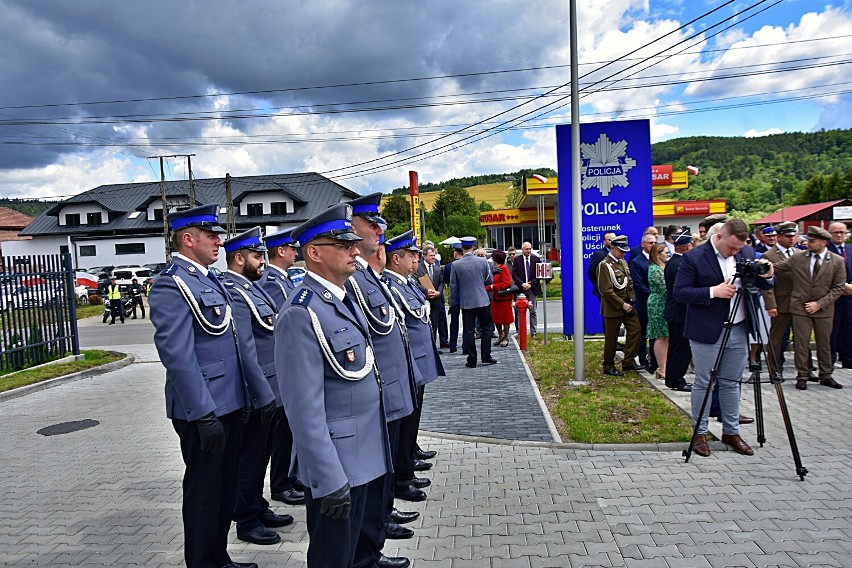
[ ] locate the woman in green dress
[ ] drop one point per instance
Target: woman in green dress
(658, 329)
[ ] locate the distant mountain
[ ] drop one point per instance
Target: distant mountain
(31, 207)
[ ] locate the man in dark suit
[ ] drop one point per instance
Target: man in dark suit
(639, 274)
(705, 283)
(454, 311)
(207, 385)
(841, 333)
(523, 274)
(431, 267)
(679, 354)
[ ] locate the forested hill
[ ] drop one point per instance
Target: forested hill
(754, 173)
(31, 207)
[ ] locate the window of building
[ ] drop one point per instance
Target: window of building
(93, 218)
(279, 207)
(254, 209)
(130, 248)
(158, 214)
(72, 219)
(88, 250)
(63, 249)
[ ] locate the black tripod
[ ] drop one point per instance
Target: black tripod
(754, 313)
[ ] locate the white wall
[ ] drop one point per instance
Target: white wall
(36, 245)
(83, 210)
(105, 248)
(266, 199)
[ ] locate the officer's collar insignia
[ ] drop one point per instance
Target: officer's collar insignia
(190, 268)
(326, 294)
(246, 285)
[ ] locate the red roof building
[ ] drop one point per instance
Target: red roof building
(11, 223)
(819, 214)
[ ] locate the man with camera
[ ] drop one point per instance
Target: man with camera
(707, 281)
(618, 301)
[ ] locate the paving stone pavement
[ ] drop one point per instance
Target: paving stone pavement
(110, 495)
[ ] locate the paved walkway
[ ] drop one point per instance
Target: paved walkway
(110, 495)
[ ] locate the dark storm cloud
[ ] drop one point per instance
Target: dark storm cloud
(57, 52)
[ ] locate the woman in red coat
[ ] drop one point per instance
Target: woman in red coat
(501, 306)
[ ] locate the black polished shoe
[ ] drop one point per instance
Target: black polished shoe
(290, 496)
(240, 565)
(626, 368)
(260, 535)
(491, 361)
(453, 349)
(403, 517)
(421, 482)
(613, 372)
(687, 387)
(424, 454)
(409, 493)
(273, 521)
(392, 562)
(420, 465)
(394, 531)
(470, 365)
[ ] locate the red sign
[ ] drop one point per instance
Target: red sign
(492, 217)
(692, 208)
(543, 270)
(661, 175)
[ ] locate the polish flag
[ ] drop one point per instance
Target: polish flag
(540, 178)
(86, 279)
(692, 169)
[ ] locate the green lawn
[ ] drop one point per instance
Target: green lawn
(610, 410)
(93, 358)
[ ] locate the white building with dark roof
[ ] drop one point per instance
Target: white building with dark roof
(122, 224)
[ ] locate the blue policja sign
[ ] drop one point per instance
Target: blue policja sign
(616, 180)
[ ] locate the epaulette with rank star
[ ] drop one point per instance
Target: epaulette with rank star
(303, 297)
(227, 284)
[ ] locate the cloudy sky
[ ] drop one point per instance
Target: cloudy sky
(364, 91)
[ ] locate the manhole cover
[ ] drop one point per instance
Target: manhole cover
(67, 427)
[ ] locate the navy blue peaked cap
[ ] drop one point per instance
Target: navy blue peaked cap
(682, 237)
(367, 206)
(205, 217)
(404, 241)
(335, 223)
(280, 239)
(250, 239)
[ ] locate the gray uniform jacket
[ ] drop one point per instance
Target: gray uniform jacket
(412, 302)
(338, 423)
(277, 285)
(399, 372)
(203, 357)
(257, 320)
(467, 282)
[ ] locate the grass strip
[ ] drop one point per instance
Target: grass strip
(93, 358)
(609, 410)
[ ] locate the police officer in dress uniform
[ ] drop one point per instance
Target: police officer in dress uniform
(468, 279)
(254, 314)
(276, 282)
(207, 385)
(331, 391)
(617, 301)
(398, 372)
(402, 260)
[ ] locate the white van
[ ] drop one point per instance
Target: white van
(124, 276)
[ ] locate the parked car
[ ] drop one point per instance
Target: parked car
(124, 276)
(296, 274)
(155, 267)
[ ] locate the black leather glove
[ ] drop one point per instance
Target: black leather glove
(212, 433)
(267, 413)
(337, 505)
(245, 414)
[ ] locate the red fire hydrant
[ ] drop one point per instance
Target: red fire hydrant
(522, 304)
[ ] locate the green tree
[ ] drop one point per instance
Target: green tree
(397, 211)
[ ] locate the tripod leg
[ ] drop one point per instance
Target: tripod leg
(801, 470)
(758, 407)
(688, 451)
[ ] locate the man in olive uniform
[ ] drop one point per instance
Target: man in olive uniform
(777, 299)
(617, 300)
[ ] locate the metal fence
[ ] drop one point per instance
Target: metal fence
(39, 312)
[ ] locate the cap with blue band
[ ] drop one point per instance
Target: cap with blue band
(205, 217)
(405, 241)
(250, 239)
(280, 239)
(367, 206)
(468, 242)
(334, 223)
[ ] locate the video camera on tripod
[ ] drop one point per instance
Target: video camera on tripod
(748, 270)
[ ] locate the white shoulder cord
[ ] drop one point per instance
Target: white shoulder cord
(615, 283)
(421, 314)
(211, 328)
(386, 327)
(254, 312)
(329, 354)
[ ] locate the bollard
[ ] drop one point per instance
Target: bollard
(522, 304)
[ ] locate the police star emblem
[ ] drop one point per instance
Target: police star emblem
(350, 355)
(605, 164)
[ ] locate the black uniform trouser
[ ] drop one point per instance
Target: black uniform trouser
(678, 357)
(469, 318)
(254, 455)
(455, 311)
(116, 309)
(209, 490)
(372, 539)
(137, 301)
(438, 321)
(281, 439)
(332, 542)
(408, 427)
(841, 333)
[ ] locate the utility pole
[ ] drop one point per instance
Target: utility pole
(229, 207)
(191, 181)
(164, 197)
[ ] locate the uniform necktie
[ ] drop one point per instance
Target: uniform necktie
(347, 301)
(789, 252)
(816, 266)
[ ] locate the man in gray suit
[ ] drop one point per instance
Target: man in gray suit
(469, 277)
(326, 373)
(254, 315)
